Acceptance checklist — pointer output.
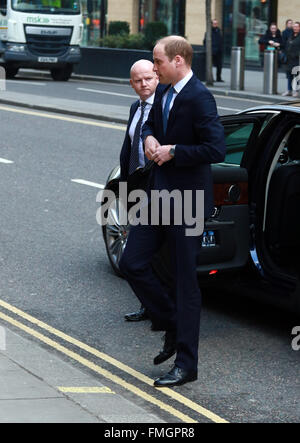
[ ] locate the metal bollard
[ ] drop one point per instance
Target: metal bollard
(270, 71)
(237, 68)
(2, 79)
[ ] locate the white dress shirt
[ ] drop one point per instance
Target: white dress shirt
(178, 87)
(136, 117)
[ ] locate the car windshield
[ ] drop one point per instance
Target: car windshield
(47, 6)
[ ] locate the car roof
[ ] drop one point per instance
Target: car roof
(291, 106)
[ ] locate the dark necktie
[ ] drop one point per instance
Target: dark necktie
(134, 161)
(167, 107)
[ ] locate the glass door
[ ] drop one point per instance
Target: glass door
(244, 22)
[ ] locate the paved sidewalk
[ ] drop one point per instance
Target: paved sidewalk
(253, 86)
(35, 387)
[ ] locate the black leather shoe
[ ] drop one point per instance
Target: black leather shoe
(137, 316)
(169, 348)
(176, 377)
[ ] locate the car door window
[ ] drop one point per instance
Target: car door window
(236, 138)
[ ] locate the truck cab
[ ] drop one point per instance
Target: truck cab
(40, 34)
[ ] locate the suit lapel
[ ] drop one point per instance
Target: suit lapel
(133, 111)
(179, 98)
(160, 114)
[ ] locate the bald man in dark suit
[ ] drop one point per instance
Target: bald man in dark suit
(144, 82)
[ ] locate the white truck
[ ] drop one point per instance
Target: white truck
(40, 34)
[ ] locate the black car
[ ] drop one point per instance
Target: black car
(252, 241)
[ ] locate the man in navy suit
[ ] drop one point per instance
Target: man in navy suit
(144, 82)
(183, 135)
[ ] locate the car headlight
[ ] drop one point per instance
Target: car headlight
(15, 47)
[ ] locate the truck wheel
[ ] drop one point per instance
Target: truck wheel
(11, 72)
(63, 74)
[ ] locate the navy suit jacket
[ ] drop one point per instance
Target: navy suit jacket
(126, 147)
(195, 128)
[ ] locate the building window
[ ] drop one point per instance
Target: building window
(94, 21)
(244, 22)
(170, 12)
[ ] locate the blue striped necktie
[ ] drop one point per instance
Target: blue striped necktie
(167, 107)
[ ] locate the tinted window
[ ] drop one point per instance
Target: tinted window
(236, 137)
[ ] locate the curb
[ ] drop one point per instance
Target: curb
(56, 110)
(81, 114)
(250, 95)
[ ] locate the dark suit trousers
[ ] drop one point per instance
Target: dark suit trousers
(177, 310)
(217, 62)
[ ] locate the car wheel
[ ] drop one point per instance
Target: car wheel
(115, 235)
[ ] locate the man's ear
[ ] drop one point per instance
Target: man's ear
(178, 60)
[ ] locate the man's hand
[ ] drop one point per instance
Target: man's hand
(151, 144)
(162, 154)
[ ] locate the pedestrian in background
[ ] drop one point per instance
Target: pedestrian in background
(144, 82)
(272, 39)
(183, 135)
(217, 48)
(292, 54)
(286, 34)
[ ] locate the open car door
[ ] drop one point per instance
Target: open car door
(226, 238)
(225, 243)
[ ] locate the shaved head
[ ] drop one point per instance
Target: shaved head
(141, 65)
(143, 79)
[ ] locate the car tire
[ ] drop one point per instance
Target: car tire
(115, 235)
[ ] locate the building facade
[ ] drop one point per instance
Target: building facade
(242, 21)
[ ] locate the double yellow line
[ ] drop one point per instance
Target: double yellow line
(105, 373)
